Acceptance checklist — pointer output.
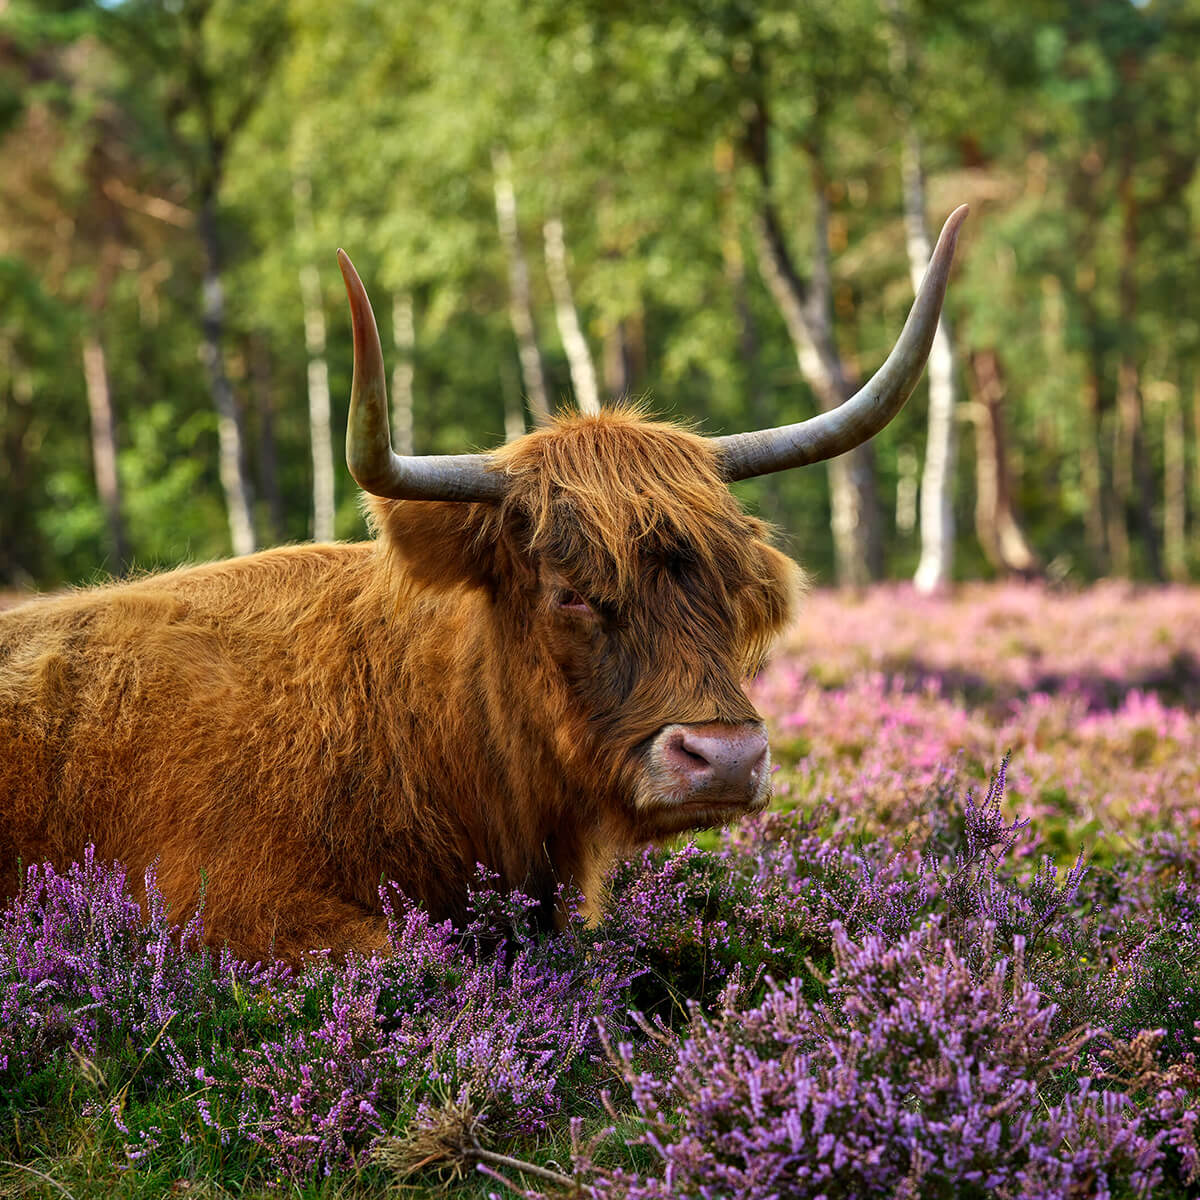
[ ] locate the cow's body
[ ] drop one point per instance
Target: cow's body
(295, 726)
(271, 722)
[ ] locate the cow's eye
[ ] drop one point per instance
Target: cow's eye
(572, 601)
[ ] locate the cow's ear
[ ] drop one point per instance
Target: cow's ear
(791, 582)
(770, 604)
(437, 544)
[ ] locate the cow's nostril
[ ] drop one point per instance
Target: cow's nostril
(684, 758)
(714, 755)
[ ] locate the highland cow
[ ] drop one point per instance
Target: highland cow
(536, 664)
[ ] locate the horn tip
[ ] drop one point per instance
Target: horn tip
(955, 219)
(350, 277)
(948, 238)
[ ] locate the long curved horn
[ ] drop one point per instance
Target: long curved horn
(759, 452)
(376, 467)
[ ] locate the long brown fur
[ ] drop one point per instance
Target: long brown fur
(298, 725)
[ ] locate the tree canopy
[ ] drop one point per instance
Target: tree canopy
(173, 168)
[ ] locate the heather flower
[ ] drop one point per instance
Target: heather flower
(82, 968)
(491, 1020)
(916, 1076)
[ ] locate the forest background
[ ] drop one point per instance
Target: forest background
(720, 205)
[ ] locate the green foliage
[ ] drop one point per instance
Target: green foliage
(1070, 129)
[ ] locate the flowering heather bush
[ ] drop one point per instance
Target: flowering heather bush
(904, 980)
(1095, 695)
(502, 1029)
(81, 968)
(916, 1075)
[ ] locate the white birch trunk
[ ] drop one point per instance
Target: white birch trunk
(235, 479)
(320, 434)
(404, 337)
(104, 444)
(520, 299)
(579, 357)
(935, 568)
(907, 468)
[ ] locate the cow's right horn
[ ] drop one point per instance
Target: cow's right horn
(376, 467)
(744, 455)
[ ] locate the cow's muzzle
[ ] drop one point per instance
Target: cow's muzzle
(706, 774)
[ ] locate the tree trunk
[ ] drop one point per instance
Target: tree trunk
(520, 297)
(235, 479)
(104, 446)
(807, 311)
(907, 491)
(19, 547)
(579, 357)
(1105, 536)
(1174, 483)
(936, 566)
(1091, 469)
(935, 569)
(758, 404)
(1130, 409)
(735, 276)
(616, 364)
(510, 392)
(320, 434)
(1119, 553)
(404, 337)
(1196, 447)
(858, 545)
(1105, 519)
(1132, 467)
(1000, 534)
(262, 383)
(623, 360)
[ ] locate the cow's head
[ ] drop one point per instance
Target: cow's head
(618, 562)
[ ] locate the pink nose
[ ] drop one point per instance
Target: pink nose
(724, 756)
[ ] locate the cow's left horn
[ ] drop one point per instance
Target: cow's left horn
(744, 455)
(376, 467)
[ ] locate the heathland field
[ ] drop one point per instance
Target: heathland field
(960, 957)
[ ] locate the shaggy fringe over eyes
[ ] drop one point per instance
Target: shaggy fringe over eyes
(605, 495)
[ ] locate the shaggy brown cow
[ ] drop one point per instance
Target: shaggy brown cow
(537, 663)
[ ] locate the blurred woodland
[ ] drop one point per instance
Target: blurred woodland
(719, 205)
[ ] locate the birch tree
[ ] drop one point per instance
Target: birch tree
(520, 295)
(936, 566)
(579, 357)
(807, 310)
(320, 435)
(404, 339)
